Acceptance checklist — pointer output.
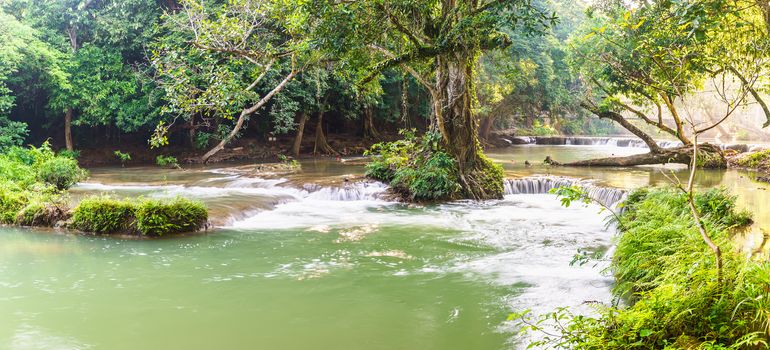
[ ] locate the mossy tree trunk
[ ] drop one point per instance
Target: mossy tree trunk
(454, 98)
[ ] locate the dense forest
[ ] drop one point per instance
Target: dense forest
(416, 174)
(192, 74)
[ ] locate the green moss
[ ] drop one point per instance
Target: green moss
(754, 160)
(145, 217)
(490, 177)
(156, 218)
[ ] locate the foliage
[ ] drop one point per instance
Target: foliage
(649, 59)
(122, 157)
(540, 129)
(666, 275)
(416, 167)
(167, 161)
(61, 172)
(31, 181)
(33, 167)
(105, 215)
(74, 154)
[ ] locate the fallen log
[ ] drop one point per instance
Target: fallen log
(710, 156)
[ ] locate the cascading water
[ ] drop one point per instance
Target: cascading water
(606, 196)
(590, 141)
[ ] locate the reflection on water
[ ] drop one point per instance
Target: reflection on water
(310, 260)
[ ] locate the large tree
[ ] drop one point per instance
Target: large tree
(225, 62)
(645, 62)
(438, 43)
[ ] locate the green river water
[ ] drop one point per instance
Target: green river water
(305, 261)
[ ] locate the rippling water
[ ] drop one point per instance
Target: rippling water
(311, 261)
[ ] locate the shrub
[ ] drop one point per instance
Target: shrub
(74, 154)
(39, 213)
(416, 167)
(167, 161)
(122, 157)
(11, 201)
(60, 172)
(436, 178)
(754, 160)
(157, 218)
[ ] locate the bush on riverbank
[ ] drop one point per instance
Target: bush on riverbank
(416, 167)
(31, 184)
(667, 277)
(106, 215)
(37, 167)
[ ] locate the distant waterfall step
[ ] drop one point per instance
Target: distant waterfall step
(607, 196)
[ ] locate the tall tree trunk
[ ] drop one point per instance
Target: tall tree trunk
(455, 91)
(321, 144)
(298, 138)
(486, 127)
(244, 114)
(370, 132)
(68, 129)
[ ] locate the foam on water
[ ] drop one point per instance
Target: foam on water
(533, 240)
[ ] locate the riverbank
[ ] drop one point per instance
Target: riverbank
(672, 291)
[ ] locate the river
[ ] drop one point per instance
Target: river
(309, 260)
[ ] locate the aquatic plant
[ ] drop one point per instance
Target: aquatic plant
(123, 157)
(759, 159)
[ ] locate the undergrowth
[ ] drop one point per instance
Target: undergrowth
(418, 168)
(667, 294)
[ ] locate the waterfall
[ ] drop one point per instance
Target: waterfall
(357, 191)
(607, 196)
(589, 141)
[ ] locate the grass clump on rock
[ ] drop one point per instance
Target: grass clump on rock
(106, 215)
